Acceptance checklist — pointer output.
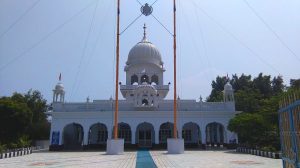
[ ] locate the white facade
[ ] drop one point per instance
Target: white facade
(145, 116)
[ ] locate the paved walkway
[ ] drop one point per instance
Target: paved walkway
(195, 159)
(144, 159)
(213, 159)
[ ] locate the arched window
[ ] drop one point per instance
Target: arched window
(124, 131)
(215, 133)
(72, 136)
(165, 132)
(98, 134)
(134, 79)
(145, 135)
(145, 102)
(144, 78)
(154, 79)
(191, 133)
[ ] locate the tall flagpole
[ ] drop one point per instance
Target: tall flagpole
(117, 74)
(175, 93)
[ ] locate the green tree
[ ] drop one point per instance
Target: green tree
(263, 84)
(15, 119)
(217, 88)
(243, 82)
(247, 100)
(250, 128)
(295, 83)
(23, 118)
(258, 99)
(40, 127)
(277, 85)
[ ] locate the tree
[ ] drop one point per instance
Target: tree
(295, 83)
(263, 84)
(15, 119)
(40, 127)
(243, 82)
(217, 88)
(277, 85)
(258, 99)
(247, 100)
(23, 118)
(249, 127)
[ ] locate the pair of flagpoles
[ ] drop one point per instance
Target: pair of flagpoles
(117, 73)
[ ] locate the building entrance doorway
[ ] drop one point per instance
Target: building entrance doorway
(145, 139)
(145, 135)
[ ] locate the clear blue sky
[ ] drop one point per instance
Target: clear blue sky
(215, 37)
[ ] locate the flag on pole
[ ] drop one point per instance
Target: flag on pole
(59, 78)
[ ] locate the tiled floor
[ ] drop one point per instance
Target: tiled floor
(201, 159)
(213, 159)
(71, 159)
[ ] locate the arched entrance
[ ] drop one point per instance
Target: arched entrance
(154, 79)
(215, 133)
(134, 79)
(97, 134)
(191, 134)
(144, 78)
(165, 132)
(145, 135)
(124, 132)
(73, 136)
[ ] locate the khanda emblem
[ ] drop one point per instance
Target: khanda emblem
(146, 9)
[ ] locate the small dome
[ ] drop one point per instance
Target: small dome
(144, 52)
(227, 86)
(59, 86)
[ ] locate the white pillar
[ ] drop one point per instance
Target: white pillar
(50, 137)
(139, 79)
(61, 132)
(179, 132)
(109, 133)
(53, 97)
(203, 135)
(208, 134)
(156, 132)
(133, 130)
(86, 135)
(218, 134)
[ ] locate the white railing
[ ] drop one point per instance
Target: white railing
(132, 87)
(164, 105)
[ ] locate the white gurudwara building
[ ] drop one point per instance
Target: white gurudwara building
(145, 116)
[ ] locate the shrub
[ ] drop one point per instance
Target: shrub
(268, 149)
(23, 142)
(2, 148)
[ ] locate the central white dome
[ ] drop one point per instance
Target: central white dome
(227, 86)
(144, 52)
(59, 86)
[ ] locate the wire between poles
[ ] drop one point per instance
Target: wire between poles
(139, 2)
(271, 30)
(131, 23)
(162, 25)
(19, 18)
(74, 88)
(153, 3)
(45, 37)
(234, 37)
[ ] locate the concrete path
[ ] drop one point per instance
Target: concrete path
(213, 159)
(195, 159)
(71, 159)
